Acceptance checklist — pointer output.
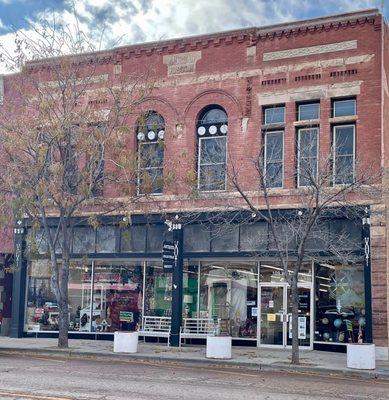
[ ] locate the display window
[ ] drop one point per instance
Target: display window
(190, 291)
(340, 303)
(158, 291)
(228, 294)
(41, 306)
(103, 297)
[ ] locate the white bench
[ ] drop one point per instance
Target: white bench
(198, 328)
(156, 327)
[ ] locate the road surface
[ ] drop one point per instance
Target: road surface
(46, 378)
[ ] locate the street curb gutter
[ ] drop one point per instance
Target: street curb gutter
(280, 367)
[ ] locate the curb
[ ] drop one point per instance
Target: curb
(277, 366)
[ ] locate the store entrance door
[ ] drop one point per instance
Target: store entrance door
(275, 327)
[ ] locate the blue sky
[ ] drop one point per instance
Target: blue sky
(114, 22)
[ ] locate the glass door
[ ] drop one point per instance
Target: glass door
(272, 321)
(275, 328)
(304, 318)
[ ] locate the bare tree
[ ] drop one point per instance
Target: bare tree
(65, 139)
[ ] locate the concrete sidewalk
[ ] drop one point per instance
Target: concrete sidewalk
(318, 362)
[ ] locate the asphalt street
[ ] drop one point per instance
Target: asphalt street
(47, 378)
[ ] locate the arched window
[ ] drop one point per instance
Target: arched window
(212, 128)
(150, 136)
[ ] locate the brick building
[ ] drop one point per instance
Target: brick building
(238, 88)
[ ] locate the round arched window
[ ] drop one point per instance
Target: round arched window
(213, 121)
(212, 128)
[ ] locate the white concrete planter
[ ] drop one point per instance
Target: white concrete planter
(361, 356)
(125, 342)
(219, 347)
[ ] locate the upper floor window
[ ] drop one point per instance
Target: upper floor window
(344, 154)
(150, 136)
(212, 128)
(274, 159)
(308, 147)
(343, 108)
(308, 111)
(274, 115)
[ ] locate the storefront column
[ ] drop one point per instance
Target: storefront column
(19, 283)
(367, 276)
(177, 284)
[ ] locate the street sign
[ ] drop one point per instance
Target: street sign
(168, 256)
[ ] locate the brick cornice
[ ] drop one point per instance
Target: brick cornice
(249, 36)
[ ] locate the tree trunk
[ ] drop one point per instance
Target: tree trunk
(63, 325)
(63, 318)
(295, 313)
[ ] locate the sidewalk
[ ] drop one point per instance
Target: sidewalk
(318, 362)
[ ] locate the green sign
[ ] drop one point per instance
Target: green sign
(126, 316)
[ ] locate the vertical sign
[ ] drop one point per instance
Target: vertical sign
(169, 253)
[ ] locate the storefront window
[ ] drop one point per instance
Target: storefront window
(228, 294)
(340, 303)
(190, 290)
(116, 303)
(117, 296)
(158, 291)
(42, 309)
(79, 296)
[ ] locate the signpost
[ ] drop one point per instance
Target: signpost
(168, 256)
(173, 262)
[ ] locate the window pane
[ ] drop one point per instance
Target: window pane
(274, 175)
(344, 169)
(133, 239)
(344, 140)
(105, 239)
(158, 295)
(307, 171)
(190, 286)
(212, 177)
(274, 159)
(228, 294)
(41, 308)
(83, 240)
(151, 155)
(117, 296)
(213, 150)
(274, 115)
(340, 303)
(213, 116)
(344, 107)
(274, 146)
(151, 181)
(309, 111)
(79, 297)
(308, 142)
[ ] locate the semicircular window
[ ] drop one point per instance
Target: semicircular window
(212, 128)
(150, 135)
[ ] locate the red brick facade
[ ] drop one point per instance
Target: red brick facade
(244, 70)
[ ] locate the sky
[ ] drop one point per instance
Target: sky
(119, 22)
